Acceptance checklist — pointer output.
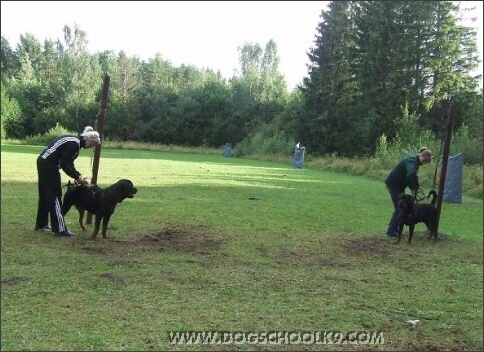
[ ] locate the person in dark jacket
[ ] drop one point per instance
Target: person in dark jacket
(60, 154)
(404, 175)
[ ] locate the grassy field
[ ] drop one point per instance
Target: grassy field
(231, 245)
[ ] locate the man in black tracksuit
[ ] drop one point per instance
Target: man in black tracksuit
(60, 154)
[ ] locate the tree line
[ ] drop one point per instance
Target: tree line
(375, 67)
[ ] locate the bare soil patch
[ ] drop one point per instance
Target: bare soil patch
(188, 240)
(13, 281)
(182, 240)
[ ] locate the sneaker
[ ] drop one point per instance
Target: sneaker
(65, 233)
(43, 229)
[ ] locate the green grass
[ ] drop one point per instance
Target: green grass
(211, 243)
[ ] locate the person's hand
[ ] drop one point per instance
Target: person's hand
(415, 193)
(81, 180)
(418, 194)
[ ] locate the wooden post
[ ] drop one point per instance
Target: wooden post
(445, 158)
(99, 127)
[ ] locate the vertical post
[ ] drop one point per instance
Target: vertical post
(445, 158)
(99, 127)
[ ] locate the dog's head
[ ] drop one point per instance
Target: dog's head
(125, 189)
(405, 204)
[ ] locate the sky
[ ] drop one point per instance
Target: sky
(205, 34)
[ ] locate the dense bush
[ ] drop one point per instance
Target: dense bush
(47, 138)
(463, 142)
(267, 140)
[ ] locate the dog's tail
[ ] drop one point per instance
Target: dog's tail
(432, 193)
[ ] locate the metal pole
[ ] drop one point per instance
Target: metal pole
(445, 158)
(99, 126)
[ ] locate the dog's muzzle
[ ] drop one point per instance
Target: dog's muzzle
(132, 193)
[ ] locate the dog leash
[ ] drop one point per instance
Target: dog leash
(419, 196)
(77, 184)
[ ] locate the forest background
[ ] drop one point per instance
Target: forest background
(381, 79)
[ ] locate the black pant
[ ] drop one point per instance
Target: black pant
(50, 197)
(392, 229)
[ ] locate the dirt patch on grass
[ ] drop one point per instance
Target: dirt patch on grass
(356, 250)
(191, 240)
(339, 252)
(298, 257)
(182, 240)
(116, 279)
(13, 281)
(367, 245)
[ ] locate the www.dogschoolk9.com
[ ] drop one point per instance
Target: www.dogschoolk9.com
(275, 338)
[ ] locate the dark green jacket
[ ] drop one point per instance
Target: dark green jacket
(404, 175)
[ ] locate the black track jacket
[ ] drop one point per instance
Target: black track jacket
(61, 153)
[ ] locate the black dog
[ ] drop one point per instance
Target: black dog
(98, 201)
(412, 213)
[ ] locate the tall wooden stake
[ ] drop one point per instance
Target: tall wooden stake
(445, 158)
(99, 126)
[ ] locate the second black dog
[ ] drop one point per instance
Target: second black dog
(412, 213)
(99, 201)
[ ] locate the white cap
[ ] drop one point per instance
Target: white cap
(90, 135)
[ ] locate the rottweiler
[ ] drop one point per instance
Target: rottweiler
(412, 213)
(99, 201)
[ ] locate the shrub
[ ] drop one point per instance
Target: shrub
(267, 140)
(472, 148)
(50, 135)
